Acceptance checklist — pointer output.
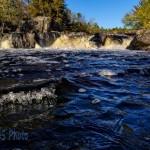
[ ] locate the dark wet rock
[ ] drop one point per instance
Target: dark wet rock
(99, 39)
(141, 41)
(31, 39)
(7, 83)
(42, 24)
(117, 39)
(29, 32)
(65, 86)
(27, 40)
(46, 39)
(102, 39)
(45, 25)
(18, 40)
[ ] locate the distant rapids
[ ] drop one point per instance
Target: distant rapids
(56, 40)
(75, 99)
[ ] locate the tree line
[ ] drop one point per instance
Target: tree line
(12, 12)
(139, 17)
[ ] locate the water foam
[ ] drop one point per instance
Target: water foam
(114, 44)
(26, 98)
(67, 42)
(107, 72)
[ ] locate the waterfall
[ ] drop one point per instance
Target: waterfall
(117, 42)
(64, 41)
(6, 41)
(74, 42)
(17, 40)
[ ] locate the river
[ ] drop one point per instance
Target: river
(75, 100)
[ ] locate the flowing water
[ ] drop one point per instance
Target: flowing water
(75, 100)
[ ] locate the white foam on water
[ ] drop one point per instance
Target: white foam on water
(96, 101)
(110, 73)
(67, 42)
(63, 55)
(23, 52)
(17, 70)
(65, 61)
(53, 62)
(111, 44)
(28, 97)
(37, 60)
(81, 90)
(107, 72)
(67, 65)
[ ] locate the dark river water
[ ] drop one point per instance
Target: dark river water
(74, 100)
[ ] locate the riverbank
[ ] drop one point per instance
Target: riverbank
(41, 33)
(59, 40)
(141, 41)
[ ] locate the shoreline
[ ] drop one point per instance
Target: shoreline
(42, 36)
(64, 41)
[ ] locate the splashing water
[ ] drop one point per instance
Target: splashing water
(76, 99)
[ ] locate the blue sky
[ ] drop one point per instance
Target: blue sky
(107, 13)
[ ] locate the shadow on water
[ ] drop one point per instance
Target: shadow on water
(75, 100)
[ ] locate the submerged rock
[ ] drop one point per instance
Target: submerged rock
(82, 90)
(96, 101)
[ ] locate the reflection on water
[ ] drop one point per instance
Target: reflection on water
(76, 100)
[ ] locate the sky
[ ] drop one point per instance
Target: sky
(107, 13)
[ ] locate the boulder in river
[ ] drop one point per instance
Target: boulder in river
(141, 41)
(17, 40)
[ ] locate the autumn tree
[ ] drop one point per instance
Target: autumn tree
(39, 8)
(14, 11)
(54, 9)
(11, 13)
(139, 17)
